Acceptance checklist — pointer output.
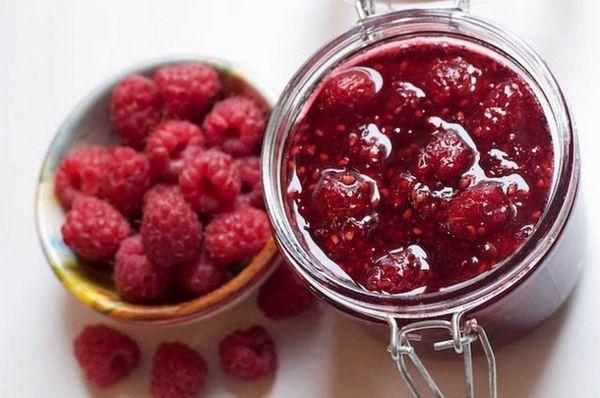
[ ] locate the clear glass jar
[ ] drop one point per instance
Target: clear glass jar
(517, 294)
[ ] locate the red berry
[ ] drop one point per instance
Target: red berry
(400, 190)
(210, 182)
(500, 113)
(452, 78)
(187, 88)
(126, 180)
(80, 172)
(251, 191)
(166, 147)
(105, 355)
(238, 235)
(396, 272)
(347, 90)
(446, 156)
(94, 229)
(283, 296)
(236, 124)
(137, 279)
(248, 354)
(478, 211)
(136, 107)
(171, 232)
(177, 372)
(404, 99)
(202, 276)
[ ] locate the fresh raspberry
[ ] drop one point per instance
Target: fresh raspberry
(396, 272)
(283, 296)
(347, 90)
(447, 156)
(210, 182)
(171, 232)
(80, 172)
(94, 229)
(251, 192)
(177, 372)
(166, 147)
(248, 354)
(238, 235)
(105, 355)
(478, 211)
(202, 276)
(451, 79)
(137, 279)
(126, 180)
(500, 113)
(135, 108)
(236, 124)
(187, 88)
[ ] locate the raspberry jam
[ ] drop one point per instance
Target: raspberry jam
(419, 166)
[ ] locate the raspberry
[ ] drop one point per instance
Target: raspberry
(251, 191)
(80, 172)
(238, 235)
(94, 229)
(236, 124)
(447, 156)
(135, 108)
(347, 90)
(478, 211)
(187, 89)
(283, 296)
(127, 179)
(400, 190)
(405, 98)
(166, 147)
(137, 279)
(396, 272)
(105, 355)
(177, 372)
(369, 146)
(210, 182)
(452, 78)
(500, 113)
(171, 232)
(248, 354)
(202, 276)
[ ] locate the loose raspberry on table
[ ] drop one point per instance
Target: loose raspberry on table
(500, 113)
(166, 147)
(210, 182)
(105, 355)
(202, 276)
(171, 232)
(248, 354)
(347, 90)
(447, 156)
(283, 296)
(177, 372)
(137, 279)
(94, 229)
(237, 236)
(478, 211)
(187, 89)
(398, 271)
(236, 124)
(136, 107)
(80, 172)
(126, 180)
(251, 190)
(452, 78)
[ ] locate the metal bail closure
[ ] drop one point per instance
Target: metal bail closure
(366, 8)
(461, 340)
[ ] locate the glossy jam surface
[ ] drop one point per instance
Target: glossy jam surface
(420, 166)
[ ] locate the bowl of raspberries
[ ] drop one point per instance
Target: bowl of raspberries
(149, 205)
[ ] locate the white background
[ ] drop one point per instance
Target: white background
(53, 52)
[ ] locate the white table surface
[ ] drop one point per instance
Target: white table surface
(54, 52)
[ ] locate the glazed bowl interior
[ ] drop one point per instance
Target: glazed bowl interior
(90, 124)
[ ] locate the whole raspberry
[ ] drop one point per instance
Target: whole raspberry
(396, 272)
(251, 191)
(236, 124)
(451, 79)
(238, 235)
(347, 90)
(202, 276)
(80, 172)
(94, 229)
(135, 108)
(126, 180)
(283, 296)
(105, 355)
(210, 182)
(171, 232)
(137, 279)
(187, 88)
(177, 372)
(166, 147)
(500, 113)
(248, 354)
(478, 211)
(447, 156)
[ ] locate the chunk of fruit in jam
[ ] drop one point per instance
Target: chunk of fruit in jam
(500, 113)
(347, 90)
(453, 78)
(398, 271)
(446, 156)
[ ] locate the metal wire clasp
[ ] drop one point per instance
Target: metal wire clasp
(461, 340)
(365, 8)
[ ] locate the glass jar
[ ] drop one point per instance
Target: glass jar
(508, 301)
